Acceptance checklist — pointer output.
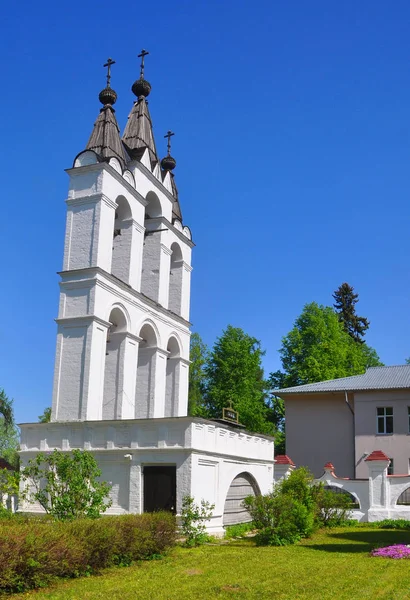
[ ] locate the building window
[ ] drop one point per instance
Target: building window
(385, 420)
(390, 468)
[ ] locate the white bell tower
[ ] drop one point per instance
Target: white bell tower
(123, 322)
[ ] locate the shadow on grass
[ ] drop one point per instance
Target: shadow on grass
(363, 541)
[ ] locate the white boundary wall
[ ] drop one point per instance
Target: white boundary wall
(377, 496)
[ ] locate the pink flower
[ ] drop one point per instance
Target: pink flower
(396, 551)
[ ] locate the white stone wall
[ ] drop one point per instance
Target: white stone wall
(377, 494)
(108, 260)
(207, 455)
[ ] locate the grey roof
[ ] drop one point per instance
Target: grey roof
(105, 137)
(375, 378)
(138, 133)
(176, 208)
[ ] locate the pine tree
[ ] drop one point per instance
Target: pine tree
(235, 377)
(345, 306)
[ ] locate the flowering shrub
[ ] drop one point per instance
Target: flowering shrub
(396, 551)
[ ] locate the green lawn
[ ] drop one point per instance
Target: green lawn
(331, 565)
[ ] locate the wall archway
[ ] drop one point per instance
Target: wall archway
(355, 504)
(404, 498)
(243, 485)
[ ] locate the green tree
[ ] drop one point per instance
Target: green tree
(46, 416)
(6, 409)
(66, 485)
(234, 375)
(9, 434)
(277, 416)
(9, 443)
(345, 306)
(197, 379)
(318, 348)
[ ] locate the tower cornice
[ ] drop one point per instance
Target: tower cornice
(171, 227)
(103, 166)
(92, 273)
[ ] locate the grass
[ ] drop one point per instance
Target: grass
(333, 564)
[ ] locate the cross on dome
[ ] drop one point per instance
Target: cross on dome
(108, 64)
(108, 96)
(168, 135)
(142, 56)
(168, 163)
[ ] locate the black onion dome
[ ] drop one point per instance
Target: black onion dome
(168, 163)
(141, 87)
(107, 96)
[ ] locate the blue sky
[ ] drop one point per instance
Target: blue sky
(292, 124)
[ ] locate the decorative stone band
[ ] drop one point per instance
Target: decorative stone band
(104, 166)
(74, 321)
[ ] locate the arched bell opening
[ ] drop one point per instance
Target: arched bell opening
(146, 367)
(175, 280)
(114, 364)
(122, 240)
(151, 254)
(173, 374)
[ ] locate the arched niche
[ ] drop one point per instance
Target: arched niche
(85, 158)
(114, 364)
(175, 279)
(243, 485)
(129, 178)
(146, 368)
(151, 255)
(173, 375)
(115, 163)
(122, 240)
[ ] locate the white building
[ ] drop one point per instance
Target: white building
(122, 359)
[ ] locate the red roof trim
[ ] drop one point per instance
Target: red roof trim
(377, 455)
(283, 459)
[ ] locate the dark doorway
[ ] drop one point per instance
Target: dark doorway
(160, 488)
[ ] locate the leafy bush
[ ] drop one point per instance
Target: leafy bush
(66, 484)
(280, 518)
(332, 507)
(193, 517)
(33, 552)
(295, 508)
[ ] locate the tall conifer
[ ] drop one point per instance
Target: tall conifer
(345, 306)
